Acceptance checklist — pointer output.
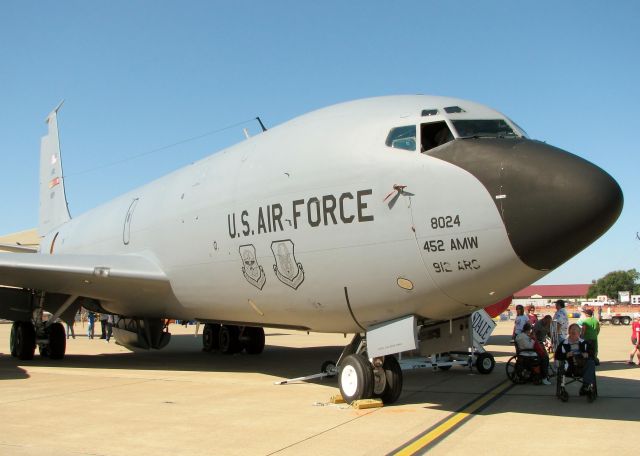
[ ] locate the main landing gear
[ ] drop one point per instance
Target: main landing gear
(51, 340)
(362, 378)
(230, 339)
(22, 340)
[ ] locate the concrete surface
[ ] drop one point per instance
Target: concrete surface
(104, 400)
(27, 238)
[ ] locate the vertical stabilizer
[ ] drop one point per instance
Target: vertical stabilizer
(53, 201)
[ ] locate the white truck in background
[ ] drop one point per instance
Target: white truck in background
(617, 318)
(609, 316)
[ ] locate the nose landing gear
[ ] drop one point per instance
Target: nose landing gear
(356, 378)
(362, 378)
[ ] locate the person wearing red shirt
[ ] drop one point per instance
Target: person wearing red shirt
(635, 339)
(533, 318)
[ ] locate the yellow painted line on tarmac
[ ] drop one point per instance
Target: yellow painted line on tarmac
(439, 431)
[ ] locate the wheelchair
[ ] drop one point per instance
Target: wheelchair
(572, 373)
(524, 367)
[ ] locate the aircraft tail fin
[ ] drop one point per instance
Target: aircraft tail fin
(54, 210)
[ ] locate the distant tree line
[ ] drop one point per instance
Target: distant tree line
(614, 282)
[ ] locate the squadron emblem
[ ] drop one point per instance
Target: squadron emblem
(287, 269)
(251, 270)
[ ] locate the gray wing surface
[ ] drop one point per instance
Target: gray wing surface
(17, 248)
(133, 283)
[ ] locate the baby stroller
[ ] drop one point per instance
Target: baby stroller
(571, 371)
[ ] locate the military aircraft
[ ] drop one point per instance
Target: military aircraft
(375, 217)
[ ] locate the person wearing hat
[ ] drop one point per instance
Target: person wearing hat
(635, 339)
(590, 331)
(561, 321)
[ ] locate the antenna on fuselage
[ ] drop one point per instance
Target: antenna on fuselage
(261, 124)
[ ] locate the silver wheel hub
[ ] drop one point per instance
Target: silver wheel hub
(379, 380)
(349, 380)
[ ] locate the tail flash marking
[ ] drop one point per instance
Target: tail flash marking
(54, 182)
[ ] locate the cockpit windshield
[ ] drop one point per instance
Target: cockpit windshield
(492, 128)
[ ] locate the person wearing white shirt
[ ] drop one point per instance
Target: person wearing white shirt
(561, 320)
(521, 320)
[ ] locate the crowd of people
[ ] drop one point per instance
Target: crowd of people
(576, 343)
(107, 321)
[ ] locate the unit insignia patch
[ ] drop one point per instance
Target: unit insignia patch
(252, 271)
(287, 269)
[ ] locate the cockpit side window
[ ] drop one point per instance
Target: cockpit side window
(402, 138)
(435, 134)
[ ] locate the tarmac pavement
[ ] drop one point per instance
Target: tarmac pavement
(103, 399)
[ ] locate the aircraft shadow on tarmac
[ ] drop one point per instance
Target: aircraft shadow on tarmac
(184, 353)
(10, 370)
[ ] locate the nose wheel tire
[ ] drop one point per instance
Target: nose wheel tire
(356, 378)
(393, 377)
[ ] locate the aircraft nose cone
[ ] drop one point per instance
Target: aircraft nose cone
(553, 203)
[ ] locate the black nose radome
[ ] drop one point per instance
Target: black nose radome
(553, 203)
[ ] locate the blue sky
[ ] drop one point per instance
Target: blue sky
(140, 75)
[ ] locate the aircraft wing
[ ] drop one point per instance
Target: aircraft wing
(17, 248)
(115, 278)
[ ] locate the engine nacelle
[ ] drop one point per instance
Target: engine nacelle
(144, 333)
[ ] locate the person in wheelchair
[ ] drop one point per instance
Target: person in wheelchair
(527, 345)
(577, 360)
(542, 331)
